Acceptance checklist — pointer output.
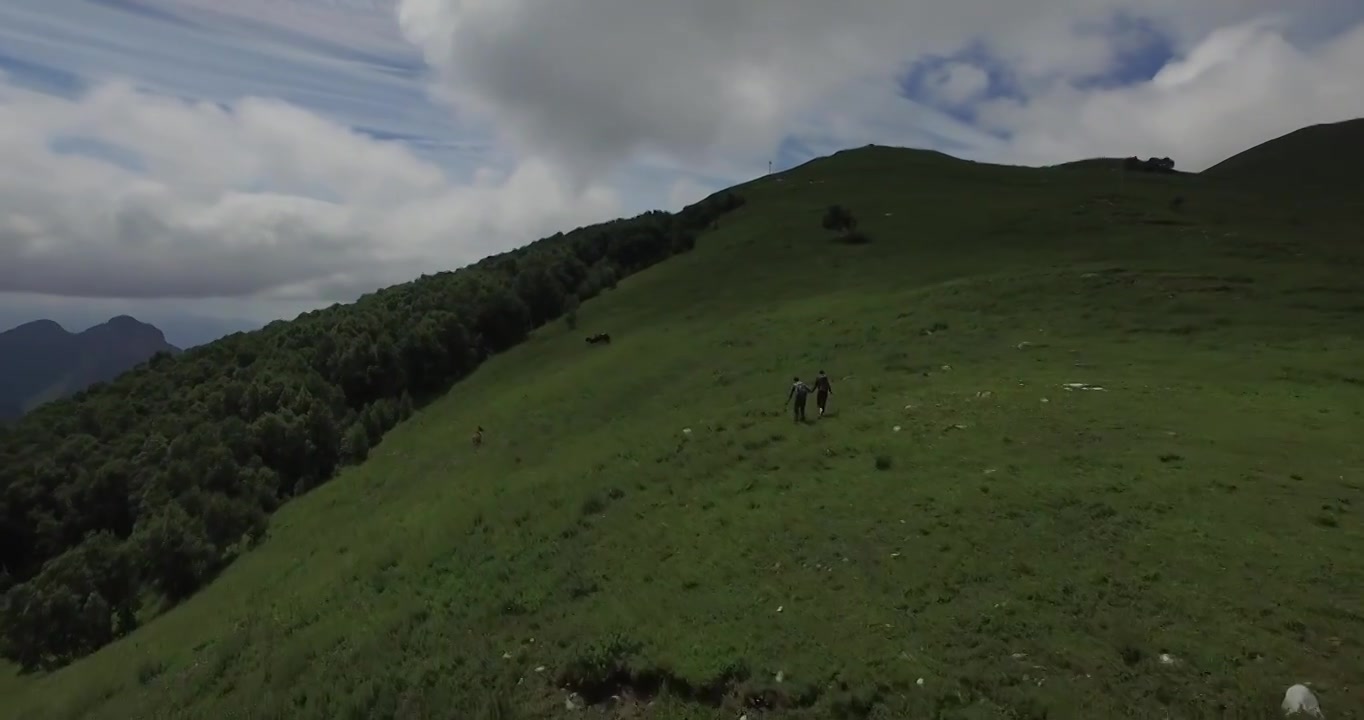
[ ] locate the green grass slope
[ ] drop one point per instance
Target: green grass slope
(964, 537)
(1327, 155)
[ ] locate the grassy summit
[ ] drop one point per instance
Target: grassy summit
(1326, 156)
(646, 533)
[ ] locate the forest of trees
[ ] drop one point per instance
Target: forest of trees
(159, 479)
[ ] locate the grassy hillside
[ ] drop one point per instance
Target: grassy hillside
(1323, 156)
(128, 497)
(964, 537)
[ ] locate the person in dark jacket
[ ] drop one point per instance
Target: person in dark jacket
(822, 392)
(801, 392)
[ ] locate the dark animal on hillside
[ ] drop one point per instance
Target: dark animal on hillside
(477, 438)
(599, 338)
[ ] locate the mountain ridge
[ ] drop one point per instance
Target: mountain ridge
(41, 360)
(1324, 155)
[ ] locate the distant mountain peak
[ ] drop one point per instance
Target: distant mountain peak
(41, 361)
(129, 327)
(38, 326)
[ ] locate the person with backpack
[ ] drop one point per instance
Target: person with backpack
(822, 392)
(801, 392)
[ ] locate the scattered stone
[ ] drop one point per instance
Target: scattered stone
(895, 555)
(686, 431)
(1299, 699)
(780, 676)
(947, 367)
(1045, 400)
(1019, 656)
(540, 669)
(1168, 659)
(1024, 344)
(780, 608)
(506, 656)
(896, 428)
(570, 703)
(919, 682)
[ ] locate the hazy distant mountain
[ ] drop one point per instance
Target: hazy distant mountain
(41, 361)
(182, 329)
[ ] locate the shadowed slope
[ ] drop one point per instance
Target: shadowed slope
(1325, 157)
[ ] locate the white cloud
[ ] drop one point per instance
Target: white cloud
(590, 83)
(1241, 86)
(266, 198)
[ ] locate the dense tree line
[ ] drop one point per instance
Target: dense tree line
(157, 480)
(1151, 165)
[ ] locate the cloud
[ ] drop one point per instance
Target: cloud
(258, 198)
(1240, 86)
(352, 67)
(587, 84)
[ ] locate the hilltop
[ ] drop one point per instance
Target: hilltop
(41, 361)
(1091, 450)
(1330, 156)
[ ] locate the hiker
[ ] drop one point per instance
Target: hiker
(822, 392)
(478, 437)
(800, 391)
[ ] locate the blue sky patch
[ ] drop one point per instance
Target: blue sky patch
(41, 77)
(98, 150)
(1141, 49)
(133, 7)
(919, 78)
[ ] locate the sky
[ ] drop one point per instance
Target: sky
(211, 166)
